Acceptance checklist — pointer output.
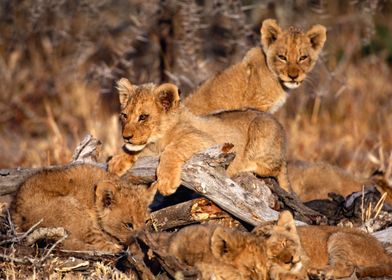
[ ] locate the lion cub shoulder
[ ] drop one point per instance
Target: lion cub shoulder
(152, 115)
(261, 79)
(98, 210)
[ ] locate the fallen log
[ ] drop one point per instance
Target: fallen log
(203, 173)
(85, 153)
(199, 210)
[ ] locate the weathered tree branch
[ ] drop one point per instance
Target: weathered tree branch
(197, 210)
(204, 173)
(85, 153)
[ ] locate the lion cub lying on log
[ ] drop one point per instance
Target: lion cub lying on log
(151, 115)
(225, 253)
(98, 210)
(217, 252)
(328, 251)
(260, 81)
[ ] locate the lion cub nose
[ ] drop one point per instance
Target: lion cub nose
(128, 137)
(293, 75)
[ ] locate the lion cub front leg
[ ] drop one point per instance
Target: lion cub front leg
(173, 158)
(120, 163)
(169, 172)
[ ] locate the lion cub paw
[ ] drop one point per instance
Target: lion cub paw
(166, 185)
(319, 274)
(110, 247)
(119, 164)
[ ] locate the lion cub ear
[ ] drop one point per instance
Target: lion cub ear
(168, 96)
(104, 194)
(226, 244)
(148, 194)
(317, 35)
(270, 31)
(286, 221)
(125, 89)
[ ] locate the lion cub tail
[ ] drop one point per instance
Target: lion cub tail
(375, 271)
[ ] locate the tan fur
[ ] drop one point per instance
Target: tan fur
(98, 210)
(260, 80)
(153, 116)
(312, 181)
(218, 252)
(335, 252)
(284, 251)
(226, 253)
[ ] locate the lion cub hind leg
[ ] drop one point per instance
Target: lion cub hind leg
(264, 153)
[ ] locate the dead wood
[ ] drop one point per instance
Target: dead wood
(292, 202)
(85, 153)
(45, 233)
(204, 173)
(170, 264)
(198, 210)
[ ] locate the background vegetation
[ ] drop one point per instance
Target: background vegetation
(59, 59)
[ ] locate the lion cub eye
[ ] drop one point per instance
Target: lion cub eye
(282, 57)
(129, 226)
(303, 57)
(143, 117)
(123, 116)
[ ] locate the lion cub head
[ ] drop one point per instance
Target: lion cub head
(144, 111)
(291, 53)
(122, 209)
(240, 250)
(284, 249)
(217, 252)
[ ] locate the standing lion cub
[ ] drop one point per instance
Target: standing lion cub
(260, 81)
(152, 115)
(98, 210)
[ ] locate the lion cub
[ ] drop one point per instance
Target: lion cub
(226, 253)
(217, 252)
(98, 210)
(260, 81)
(328, 251)
(152, 115)
(312, 181)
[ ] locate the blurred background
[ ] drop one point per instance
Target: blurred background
(59, 60)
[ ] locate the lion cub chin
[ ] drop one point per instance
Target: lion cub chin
(326, 251)
(261, 79)
(151, 115)
(98, 210)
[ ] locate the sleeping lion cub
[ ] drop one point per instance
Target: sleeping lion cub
(217, 252)
(151, 115)
(327, 251)
(98, 210)
(225, 253)
(260, 81)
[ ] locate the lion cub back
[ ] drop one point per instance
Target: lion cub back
(98, 210)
